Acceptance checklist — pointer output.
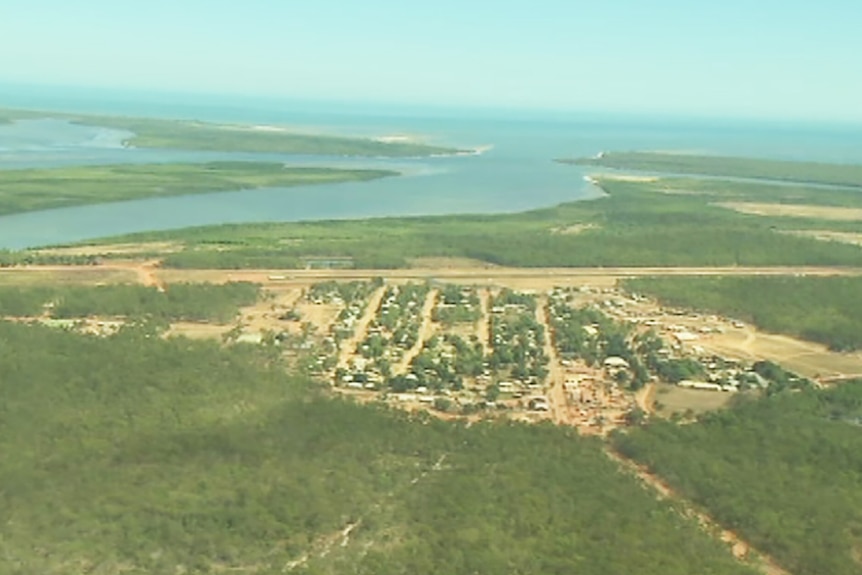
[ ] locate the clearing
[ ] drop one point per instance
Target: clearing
(795, 211)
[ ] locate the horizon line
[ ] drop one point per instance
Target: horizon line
(141, 95)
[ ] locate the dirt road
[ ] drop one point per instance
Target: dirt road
(556, 376)
(483, 325)
(348, 346)
(741, 549)
(537, 277)
(426, 330)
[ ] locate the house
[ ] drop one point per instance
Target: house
(539, 404)
(699, 385)
(615, 362)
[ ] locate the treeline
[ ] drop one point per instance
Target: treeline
(821, 309)
(178, 302)
(145, 455)
(9, 258)
(724, 166)
(783, 472)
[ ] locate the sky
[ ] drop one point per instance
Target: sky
(746, 58)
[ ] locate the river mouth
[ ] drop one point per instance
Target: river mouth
(516, 171)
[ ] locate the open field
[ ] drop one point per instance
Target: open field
(82, 275)
(124, 250)
(796, 211)
(39, 189)
(827, 236)
(672, 399)
(806, 358)
(721, 166)
(194, 135)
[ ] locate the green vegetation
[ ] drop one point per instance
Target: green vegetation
(457, 304)
(23, 302)
(588, 334)
(179, 302)
(139, 455)
(669, 222)
(39, 189)
(202, 136)
(9, 258)
(802, 172)
(822, 309)
(783, 472)
(517, 338)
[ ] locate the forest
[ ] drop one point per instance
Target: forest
(783, 472)
(667, 222)
(133, 454)
(178, 302)
(821, 309)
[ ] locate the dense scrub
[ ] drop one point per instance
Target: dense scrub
(822, 309)
(189, 302)
(139, 455)
(784, 472)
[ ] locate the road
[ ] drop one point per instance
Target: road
(348, 346)
(741, 549)
(556, 377)
(148, 274)
(426, 330)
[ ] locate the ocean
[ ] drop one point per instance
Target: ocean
(515, 173)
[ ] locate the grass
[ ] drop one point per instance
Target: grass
(30, 278)
(671, 399)
(203, 136)
(804, 172)
(39, 189)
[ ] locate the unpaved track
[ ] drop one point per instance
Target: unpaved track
(645, 398)
(487, 276)
(741, 549)
(483, 324)
(348, 346)
(426, 330)
(556, 392)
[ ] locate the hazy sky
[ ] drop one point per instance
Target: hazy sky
(778, 58)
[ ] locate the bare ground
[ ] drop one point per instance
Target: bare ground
(114, 249)
(556, 377)
(795, 211)
(483, 327)
(810, 359)
(830, 236)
